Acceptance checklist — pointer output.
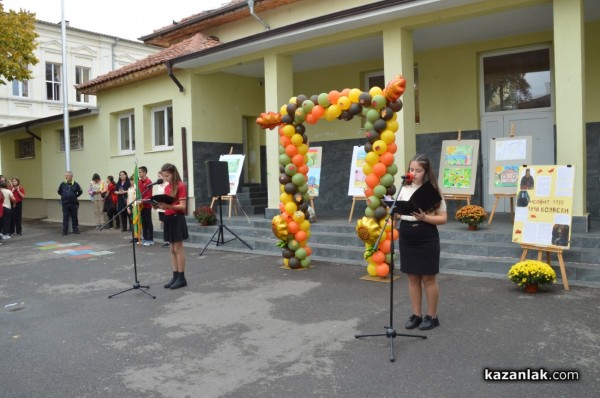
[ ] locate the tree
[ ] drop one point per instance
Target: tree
(17, 43)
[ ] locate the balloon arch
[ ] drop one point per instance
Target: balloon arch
(379, 108)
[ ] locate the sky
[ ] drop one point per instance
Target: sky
(127, 19)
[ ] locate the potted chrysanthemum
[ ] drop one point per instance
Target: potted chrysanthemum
(205, 215)
(529, 274)
(472, 215)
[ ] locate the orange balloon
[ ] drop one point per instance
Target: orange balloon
(333, 96)
(345, 92)
(392, 148)
(303, 169)
(317, 111)
(378, 257)
(387, 158)
(308, 251)
(379, 169)
(368, 192)
(394, 234)
(282, 207)
(382, 269)
(386, 246)
(298, 159)
(311, 119)
(300, 236)
(293, 227)
(291, 150)
(372, 181)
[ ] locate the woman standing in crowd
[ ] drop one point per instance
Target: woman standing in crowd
(17, 212)
(160, 189)
(420, 247)
(9, 199)
(121, 192)
(175, 226)
(95, 190)
(110, 202)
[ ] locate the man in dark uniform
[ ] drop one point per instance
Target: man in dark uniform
(69, 190)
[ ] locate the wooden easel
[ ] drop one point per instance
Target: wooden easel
(498, 196)
(230, 198)
(354, 199)
(312, 204)
(450, 196)
(548, 250)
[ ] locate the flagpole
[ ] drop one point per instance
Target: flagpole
(67, 131)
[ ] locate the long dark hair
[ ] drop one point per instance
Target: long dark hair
(96, 177)
(176, 178)
(110, 179)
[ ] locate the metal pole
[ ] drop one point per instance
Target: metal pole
(65, 89)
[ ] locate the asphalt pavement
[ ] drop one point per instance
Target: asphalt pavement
(245, 327)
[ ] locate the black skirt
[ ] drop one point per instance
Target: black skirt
(419, 248)
(175, 228)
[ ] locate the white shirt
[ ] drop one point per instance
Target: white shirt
(8, 198)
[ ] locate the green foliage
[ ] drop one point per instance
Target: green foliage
(205, 215)
(17, 43)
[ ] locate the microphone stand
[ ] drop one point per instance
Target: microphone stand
(136, 285)
(390, 332)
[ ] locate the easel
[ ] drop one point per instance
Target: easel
(312, 204)
(450, 196)
(548, 250)
(230, 198)
(498, 196)
(354, 199)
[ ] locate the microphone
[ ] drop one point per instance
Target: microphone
(408, 178)
(157, 182)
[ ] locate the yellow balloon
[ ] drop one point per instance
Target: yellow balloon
(292, 100)
(333, 112)
(392, 125)
(379, 147)
(388, 137)
(344, 103)
(302, 149)
(372, 269)
(288, 130)
(367, 169)
(372, 157)
(354, 94)
(298, 216)
(297, 139)
(305, 225)
(283, 110)
(375, 91)
(290, 207)
(286, 198)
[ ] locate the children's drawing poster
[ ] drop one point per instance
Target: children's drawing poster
(357, 184)
(458, 166)
(544, 209)
(234, 169)
(507, 154)
(315, 155)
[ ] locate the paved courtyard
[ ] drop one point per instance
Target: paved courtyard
(244, 327)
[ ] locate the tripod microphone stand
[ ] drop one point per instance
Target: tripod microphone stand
(390, 332)
(219, 232)
(136, 284)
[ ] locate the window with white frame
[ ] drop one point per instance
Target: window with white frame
(25, 148)
(53, 81)
(82, 75)
(75, 138)
(126, 133)
(162, 127)
(20, 88)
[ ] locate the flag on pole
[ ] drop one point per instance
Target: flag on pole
(136, 208)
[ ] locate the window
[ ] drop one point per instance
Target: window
(127, 133)
(519, 80)
(75, 138)
(82, 75)
(20, 88)
(53, 80)
(25, 148)
(162, 126)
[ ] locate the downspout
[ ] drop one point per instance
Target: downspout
(172, 76)
(31, 133)
(251, 7)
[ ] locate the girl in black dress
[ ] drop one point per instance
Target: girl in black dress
(420, 247)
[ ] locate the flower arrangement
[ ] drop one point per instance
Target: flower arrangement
(471, 215)
(205, 215)
(531, 272)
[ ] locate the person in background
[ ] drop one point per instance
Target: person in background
(69, 191)
(175, 225)
(16, 216)
(1, 212)
(146, 192)
(8, 201)
(420, 247)
(131, 198)
(160, 190)
(95, 190)
(110, 203)
(121, 189)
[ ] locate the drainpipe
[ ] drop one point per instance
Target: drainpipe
(251, 7)
(173, 77)
(113, 53)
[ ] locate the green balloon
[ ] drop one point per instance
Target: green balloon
(298, 179)
(281, 149)
(293, 245)
(304, 187)
(372, 115)
(300, 254)
(369, 212)
(368, 126)
(307, 106)
(378, 102)
(324, 100)
(305, 263)
(373, 202)
(379, 191)
(392, 169)
(291, 169)
(284, 159)
(386, 180)
(388, 258)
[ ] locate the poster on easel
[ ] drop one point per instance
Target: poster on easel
(544, 209)
(458, 167)
(357, 184)
(234, 169)
(506, 155)
(315, 155)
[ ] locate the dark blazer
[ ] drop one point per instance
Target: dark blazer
(69, 192)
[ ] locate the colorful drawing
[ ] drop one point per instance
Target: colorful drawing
(459, 155)
(506, 176)
(457, 178)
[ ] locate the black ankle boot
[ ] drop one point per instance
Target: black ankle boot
(179, 282)
(169, 283)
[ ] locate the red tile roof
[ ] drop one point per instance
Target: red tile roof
(152, 65)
